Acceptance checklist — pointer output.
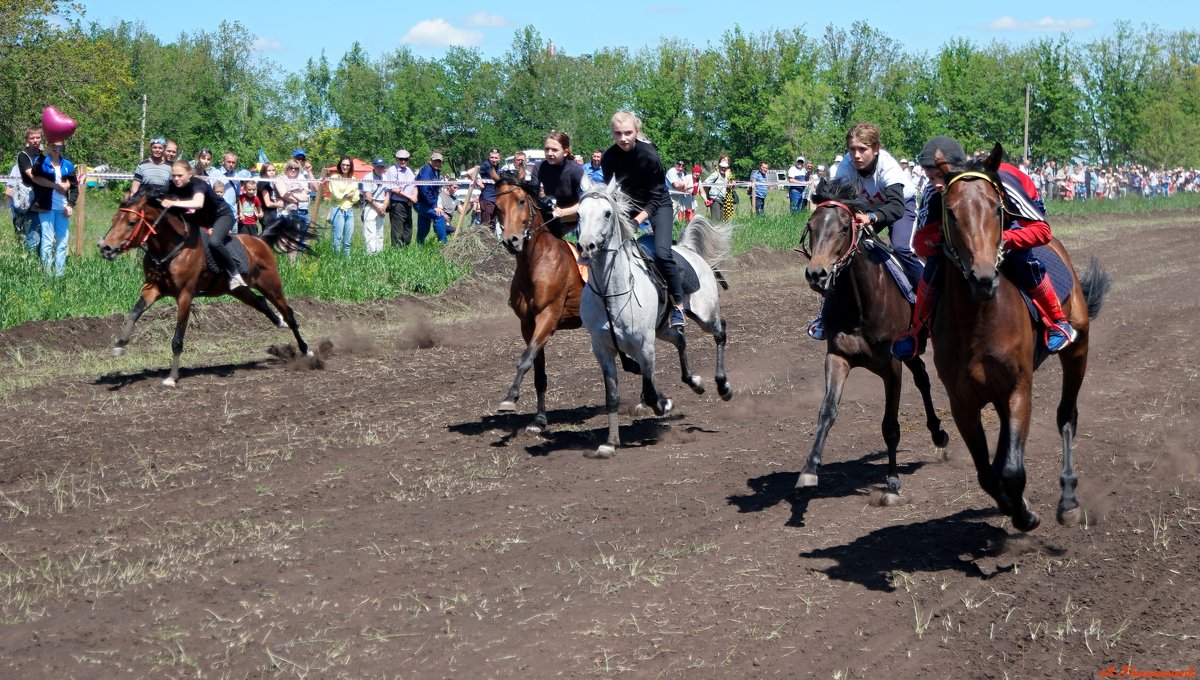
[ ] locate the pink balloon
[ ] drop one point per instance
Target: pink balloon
(56, 125)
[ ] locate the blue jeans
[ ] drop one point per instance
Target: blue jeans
(30, 226)
(900, 234)
(427, 215)
(54, 227)
(760, 203)
(797, 199)
(343, 230)
(301, 217)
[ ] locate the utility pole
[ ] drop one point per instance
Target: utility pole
(1028, 90)
(142, 141)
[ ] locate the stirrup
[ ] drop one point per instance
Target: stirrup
(1059, 335)
(236, 281)
(816, 329)
(677, 320)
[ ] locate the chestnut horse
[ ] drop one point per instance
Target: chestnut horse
(864, 310)
(175, 266)
(546, 286)
(987, 346)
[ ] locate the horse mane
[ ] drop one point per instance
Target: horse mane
(620, 203)
(842, 191)
(508, 178)
(152, 194)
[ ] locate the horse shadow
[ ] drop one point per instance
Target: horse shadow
(838, 480)
(564, 432)
(953, 543)
(116, 380)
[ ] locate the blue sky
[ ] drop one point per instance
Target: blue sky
(292, 31)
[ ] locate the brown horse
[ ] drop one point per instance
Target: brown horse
(546, 286)
(863, 311)
(987, 347)
(175, 266)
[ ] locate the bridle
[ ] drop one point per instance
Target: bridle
(530, 215)
(851, 251)
(142, 231)
(947, 246)
(614, 226)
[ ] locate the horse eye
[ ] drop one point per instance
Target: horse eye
(607, 214)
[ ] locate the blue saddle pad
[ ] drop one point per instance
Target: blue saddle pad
(880, 255)
(1061, 277)
(687, 275)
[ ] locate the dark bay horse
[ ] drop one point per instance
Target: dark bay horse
(546, 285)
(864, 311)
(986, 345)
(175, 266)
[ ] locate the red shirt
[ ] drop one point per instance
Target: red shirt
(1028, 228)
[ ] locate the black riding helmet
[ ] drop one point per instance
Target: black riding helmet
(951, 150)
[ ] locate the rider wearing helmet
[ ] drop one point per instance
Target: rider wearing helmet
(1026, 230)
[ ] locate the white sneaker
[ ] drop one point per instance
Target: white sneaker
(236, 282)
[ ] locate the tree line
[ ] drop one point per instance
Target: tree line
(1130, 96)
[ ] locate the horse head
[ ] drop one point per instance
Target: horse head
(134, 223)
(517, 212)
(602, 211)
(973, 221)
(830, 237)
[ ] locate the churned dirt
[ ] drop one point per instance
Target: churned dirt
(368, 515)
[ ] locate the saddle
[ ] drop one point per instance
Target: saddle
(1061, 278)
(237, 252)
(881, 253)
(687, 277)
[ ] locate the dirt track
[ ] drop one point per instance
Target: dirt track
(374, 519)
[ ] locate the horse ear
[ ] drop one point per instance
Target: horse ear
(942, 163)
(585, 183)
(612, 184)
(994, 158)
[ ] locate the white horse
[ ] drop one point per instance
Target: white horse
(621, 307)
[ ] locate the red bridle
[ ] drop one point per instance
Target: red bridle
(854, 232)
(142, 231)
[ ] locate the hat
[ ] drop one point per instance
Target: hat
(403, 153)
(158, 140)
(679, 163)
(838, 159)
(435, 157)
(951, 150)
(903, 161)
(799, 159)
(379, 162)
(820, 167)
(299, 152)
(722, 164)
(697, 169)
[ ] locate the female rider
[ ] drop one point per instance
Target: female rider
(560, 177)
(636, 165)
(887, 190)
(204, 209)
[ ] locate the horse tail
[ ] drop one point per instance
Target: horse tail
(1095, 283)
(289, 235)
(709, 241)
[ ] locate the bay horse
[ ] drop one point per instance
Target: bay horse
(864, 310)
(546, 286)
(175, 266)
(987, 346)
(621, 307)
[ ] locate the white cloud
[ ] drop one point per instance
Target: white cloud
(267, 45)
(1043, 25)
(440, 33)
(485, 20)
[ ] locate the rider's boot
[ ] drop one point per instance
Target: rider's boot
(1059, 333)
(912, 342)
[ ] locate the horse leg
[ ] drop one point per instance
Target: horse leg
(651, 397)
(539, 384)
(1009, 465)
(606, 357)
(921, 379)
(970, 427)
(893, 381)
(273, 289)
(1074, 365)
(718, 333)
(675, 337)
(182, 312)
(524, 363)
(252, 299)
(836, 370)
(150, 294)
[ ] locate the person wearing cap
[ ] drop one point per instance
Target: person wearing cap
(675, 186)
(402, 182)
(797, 184)
(716, 193)
(835, 166)
(375, 194)
(635, 164)
(429, 208)
(1026, 230)
(154, 172)
(889, 196)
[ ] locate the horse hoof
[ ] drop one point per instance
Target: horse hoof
(310, 353)
(605, 452)
(696, 383)
(725, 391)
(942, 453)
(941, 439)
(664, 407)
(806, 479)
(533, 429)
(168, 382)
(507, 406)
(889, 499)
(1028, 521)
(282, 324)
(642, 411)
(1070, 518)
(117, 351)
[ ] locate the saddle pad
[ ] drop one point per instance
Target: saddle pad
(1061, 277)
(583, 268)
(236, 250)
(687, 275)
(881, 255)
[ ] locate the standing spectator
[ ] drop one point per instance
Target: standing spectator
(343, 194)
(485, 177)
(834, 168)
(203, 168)
(54, 205)
(268, 194)
(154, 172)
(675, 185)
(797, 184)
(233, 178)
(592, 170)
(403, 195)
(429, 208)
(170, 151)
(691, 184)
(375, 206)
(716, 192)
(293, 192)
(249, 209)
(519, 167)
(450, 204)
(24, 219)
(758, 188)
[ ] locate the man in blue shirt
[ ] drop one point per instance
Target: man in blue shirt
(485, 177)
(759, 179)
(429, 208)
(592, 170)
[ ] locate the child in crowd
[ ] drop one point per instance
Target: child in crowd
(249, 208)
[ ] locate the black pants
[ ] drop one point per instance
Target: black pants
(219, 239)
(400, 219)
(661, 222)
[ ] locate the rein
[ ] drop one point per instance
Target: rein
(623, 246)
(142, 233)
(947, 246)
(528, 224)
